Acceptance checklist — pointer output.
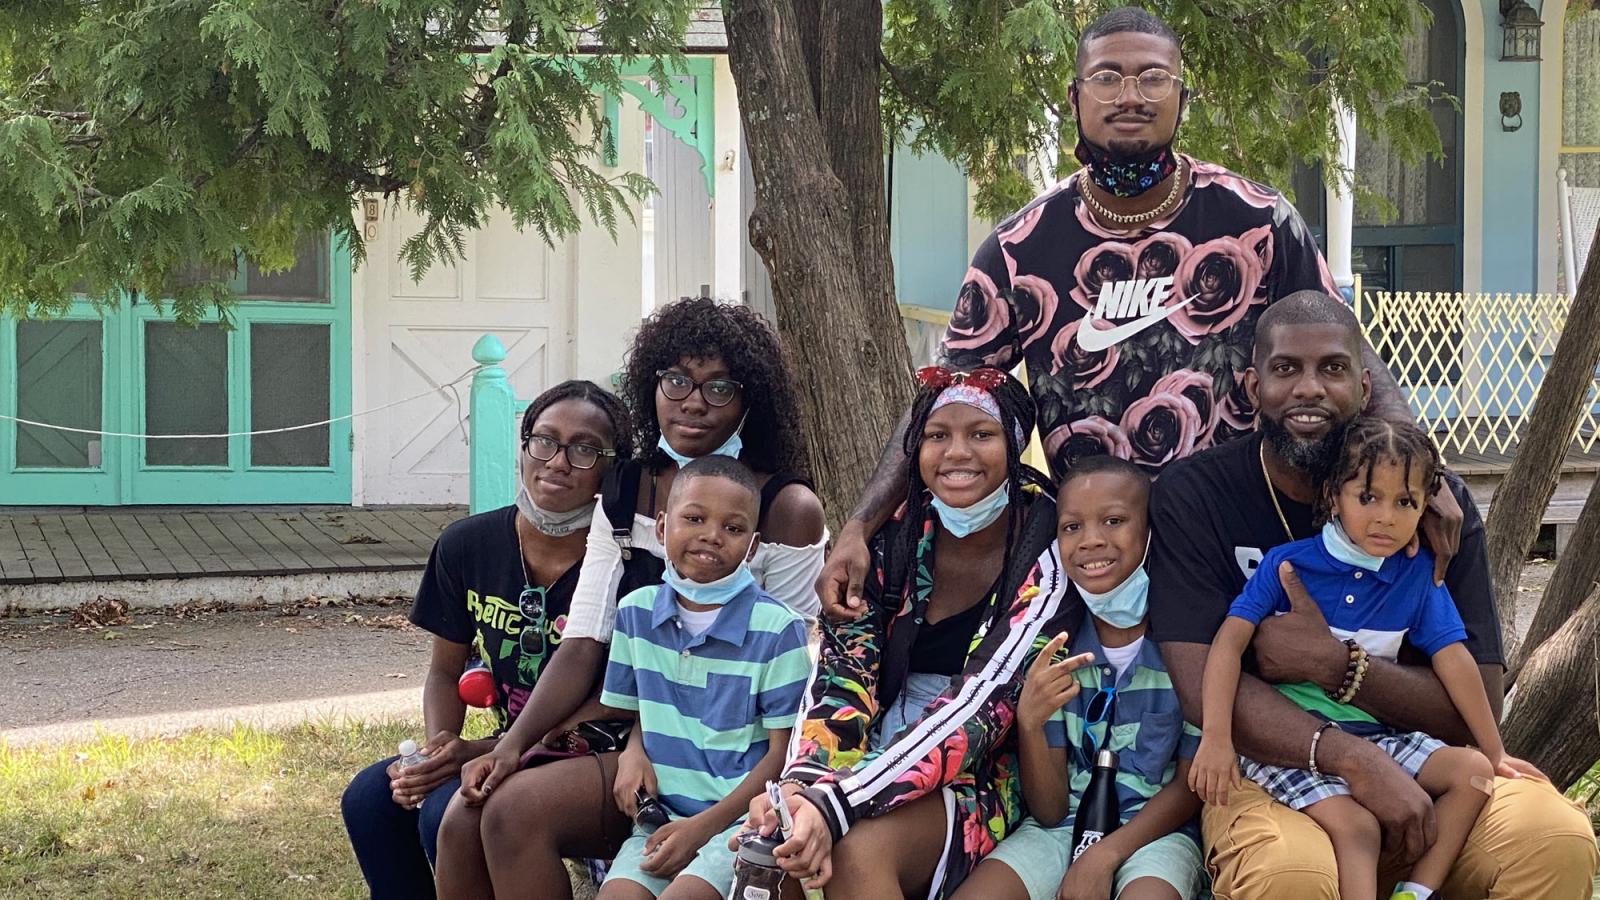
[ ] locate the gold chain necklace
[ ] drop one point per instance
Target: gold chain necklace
(1160, 210)
(1272, 491)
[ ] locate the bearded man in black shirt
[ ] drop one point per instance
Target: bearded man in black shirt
(1214, 515)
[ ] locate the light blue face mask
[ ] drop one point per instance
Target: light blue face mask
(1343, 549)
(1124, 605)
(962, 521)
(731, 447)
(714, 593)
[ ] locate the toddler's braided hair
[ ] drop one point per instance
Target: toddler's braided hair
(1370, 440)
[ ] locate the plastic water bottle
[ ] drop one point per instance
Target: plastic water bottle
(756, 875)
(1099, 813)
(409, 756)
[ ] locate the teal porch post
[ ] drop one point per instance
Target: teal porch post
(492, 437)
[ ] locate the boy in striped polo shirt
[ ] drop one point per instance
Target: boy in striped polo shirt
(716, 669)
(1113, 693)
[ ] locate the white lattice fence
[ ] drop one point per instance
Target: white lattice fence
(1471, 364)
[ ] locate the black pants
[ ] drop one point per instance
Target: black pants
(395, 846)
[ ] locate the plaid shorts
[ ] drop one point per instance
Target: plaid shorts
(1298, 788)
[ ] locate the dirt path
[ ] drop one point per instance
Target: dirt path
(184, 666)
(171, 670)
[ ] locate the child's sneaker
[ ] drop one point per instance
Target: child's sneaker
(1406, 890)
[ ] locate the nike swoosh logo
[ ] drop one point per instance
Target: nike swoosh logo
(1094, 339)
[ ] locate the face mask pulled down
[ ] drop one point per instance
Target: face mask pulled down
(1124, 605)
(711, 593)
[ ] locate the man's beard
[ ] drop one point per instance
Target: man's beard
(1315, 457)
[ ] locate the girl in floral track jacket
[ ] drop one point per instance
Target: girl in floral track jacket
(905, 705)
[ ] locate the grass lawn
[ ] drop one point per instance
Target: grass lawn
(205, 814)
(248, 813)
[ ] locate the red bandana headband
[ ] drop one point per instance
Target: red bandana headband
(975, 389)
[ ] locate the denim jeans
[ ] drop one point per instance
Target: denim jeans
(395, 846)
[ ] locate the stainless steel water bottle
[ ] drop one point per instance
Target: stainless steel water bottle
(1099, 813)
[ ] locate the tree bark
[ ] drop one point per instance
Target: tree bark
(1520, 500)
(1552, 721)
(819, 225)
(1577, 569)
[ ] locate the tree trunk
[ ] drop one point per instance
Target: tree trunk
(1552, 721)
(819, 225)
(1520, 500)
(1577, 569)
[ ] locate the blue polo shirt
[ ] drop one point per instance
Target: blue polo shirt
(1398, 603)
(1145, 726)
(706, 701)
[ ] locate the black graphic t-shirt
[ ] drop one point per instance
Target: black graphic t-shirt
(1213, 521)
(469, 595)
(1135, 344)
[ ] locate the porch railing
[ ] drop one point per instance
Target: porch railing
(492, 430)
(1471, 364)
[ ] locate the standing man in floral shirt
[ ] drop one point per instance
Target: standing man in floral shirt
(1130, 291)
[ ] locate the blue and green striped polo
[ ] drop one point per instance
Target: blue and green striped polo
(706, 701)
(1145, 726)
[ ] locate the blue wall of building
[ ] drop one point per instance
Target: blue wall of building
(927, 228)
(1510, 165)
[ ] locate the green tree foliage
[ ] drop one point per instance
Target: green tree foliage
(987, 81)
(146, 145)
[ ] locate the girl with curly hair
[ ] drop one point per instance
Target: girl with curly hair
(904, 747)
(702, 378)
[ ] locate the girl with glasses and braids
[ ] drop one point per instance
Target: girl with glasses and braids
(701, 379)
(497, 586)
(901, 776)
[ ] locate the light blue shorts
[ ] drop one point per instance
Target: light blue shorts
(713, 864)
(1038, 856)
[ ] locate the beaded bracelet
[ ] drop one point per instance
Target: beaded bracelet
(1316, 737)
(1355, 683)
(1357, 655)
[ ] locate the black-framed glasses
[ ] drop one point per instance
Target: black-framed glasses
(1106, 86)
(1099, 712)
(531, 605)
(716, 391)
(579, 456)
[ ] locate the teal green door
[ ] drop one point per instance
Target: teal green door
(285, 362)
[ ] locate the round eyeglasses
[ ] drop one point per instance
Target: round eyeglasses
(1106, 86)
(579, 456)
(716, 391)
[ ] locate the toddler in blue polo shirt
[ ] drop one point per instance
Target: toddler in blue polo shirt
(1374, 597)
(716, 669)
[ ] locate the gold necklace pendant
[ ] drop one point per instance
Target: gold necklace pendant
(1272, 491)
(1135, 219)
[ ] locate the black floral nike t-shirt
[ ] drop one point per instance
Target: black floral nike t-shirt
(1135, 345)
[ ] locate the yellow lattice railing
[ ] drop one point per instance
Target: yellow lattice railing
(1470, 364)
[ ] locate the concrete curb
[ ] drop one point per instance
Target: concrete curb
(168, 592)
(378, 706)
